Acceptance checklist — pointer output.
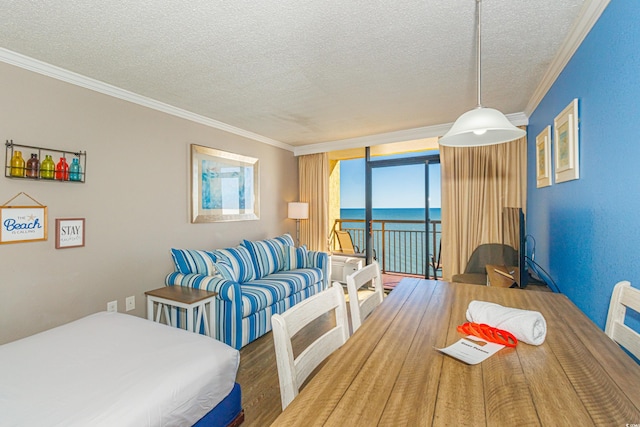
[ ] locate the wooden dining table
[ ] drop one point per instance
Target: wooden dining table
(390, 373)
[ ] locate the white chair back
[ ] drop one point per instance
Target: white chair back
(623, 297)
(361, 308)
(292, 372)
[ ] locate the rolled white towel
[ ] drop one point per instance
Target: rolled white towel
(526, 325)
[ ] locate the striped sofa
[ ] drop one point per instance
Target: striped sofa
(254, 280)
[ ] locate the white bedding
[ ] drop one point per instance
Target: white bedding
(112, 369)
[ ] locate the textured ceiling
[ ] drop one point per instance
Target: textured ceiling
(305, 71)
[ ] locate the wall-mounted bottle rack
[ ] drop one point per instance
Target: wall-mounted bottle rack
(19, 171)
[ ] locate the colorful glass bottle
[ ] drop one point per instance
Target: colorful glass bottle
(62, 170)
(75, 170)
(17, 164)
(33, 166)
(47, 167)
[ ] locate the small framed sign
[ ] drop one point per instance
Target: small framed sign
(23, 224)
(69, 233)
(567, 145)
(543, 158)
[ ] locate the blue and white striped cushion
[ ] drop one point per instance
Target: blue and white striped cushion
(286, 239)
(226, 271)
(268, 255)
(259, 323)
(261, 293)
(297, 257)
(320, 260)
(240, 261)
(189, 261)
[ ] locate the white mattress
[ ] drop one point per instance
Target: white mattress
(112, 369)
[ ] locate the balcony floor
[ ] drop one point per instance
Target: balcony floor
(391, 280)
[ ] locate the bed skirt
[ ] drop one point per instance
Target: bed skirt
(228, 413)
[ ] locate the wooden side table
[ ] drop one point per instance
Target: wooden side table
(170, 299)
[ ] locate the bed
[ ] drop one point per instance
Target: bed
(111, 369)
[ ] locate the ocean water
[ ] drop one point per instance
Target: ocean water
(403, 248)
(407, 214)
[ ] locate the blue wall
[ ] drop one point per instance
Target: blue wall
(587, 231)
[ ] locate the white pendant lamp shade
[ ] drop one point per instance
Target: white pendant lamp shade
(481, 126)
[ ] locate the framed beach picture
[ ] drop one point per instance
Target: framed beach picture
(224, 186)
(69, 233)
(23, 224)
(543, 158)
(566, 149)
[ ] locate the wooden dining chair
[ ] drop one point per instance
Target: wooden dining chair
(623, 297)
(361, 308)
(293, 371)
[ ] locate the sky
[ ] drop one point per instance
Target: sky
(393, 187)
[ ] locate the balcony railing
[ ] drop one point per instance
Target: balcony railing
(401, 246)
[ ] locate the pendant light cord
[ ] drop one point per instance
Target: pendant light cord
(479, 64)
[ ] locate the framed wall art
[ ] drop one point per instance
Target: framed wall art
(543, 158)
(69, 233)
(23, 224)
(566, 149)
(224, 186)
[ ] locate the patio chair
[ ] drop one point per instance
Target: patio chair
(489, 253)
(436, 264)
(347, 247)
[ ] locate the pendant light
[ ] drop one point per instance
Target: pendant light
(480, 126)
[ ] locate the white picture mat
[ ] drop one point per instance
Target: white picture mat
(566, 144)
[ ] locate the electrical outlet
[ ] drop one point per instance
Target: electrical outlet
(130, 302)
(112, 306)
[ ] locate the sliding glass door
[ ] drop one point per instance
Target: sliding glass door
(400, 212)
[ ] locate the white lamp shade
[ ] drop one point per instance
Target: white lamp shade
(481, 126)
(298, 210)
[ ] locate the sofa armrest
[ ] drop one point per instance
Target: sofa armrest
(226, 289)
(320, 260)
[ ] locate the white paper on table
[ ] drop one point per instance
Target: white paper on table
(471, 352)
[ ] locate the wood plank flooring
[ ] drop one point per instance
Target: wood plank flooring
(258, 373)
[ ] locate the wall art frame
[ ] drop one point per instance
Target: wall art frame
(19, 224)
(22, 223)
(69, 233)
(567, 144)
(224, 186)
(543, 158)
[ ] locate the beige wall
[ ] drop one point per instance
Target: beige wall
(135, 200)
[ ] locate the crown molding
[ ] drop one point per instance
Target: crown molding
(31, 64)
(517, 119)
(589, 15)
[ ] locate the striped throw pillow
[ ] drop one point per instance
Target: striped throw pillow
(286, 239)
(297, 257)
(190, 261)
(240, 261)
(268, 255)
